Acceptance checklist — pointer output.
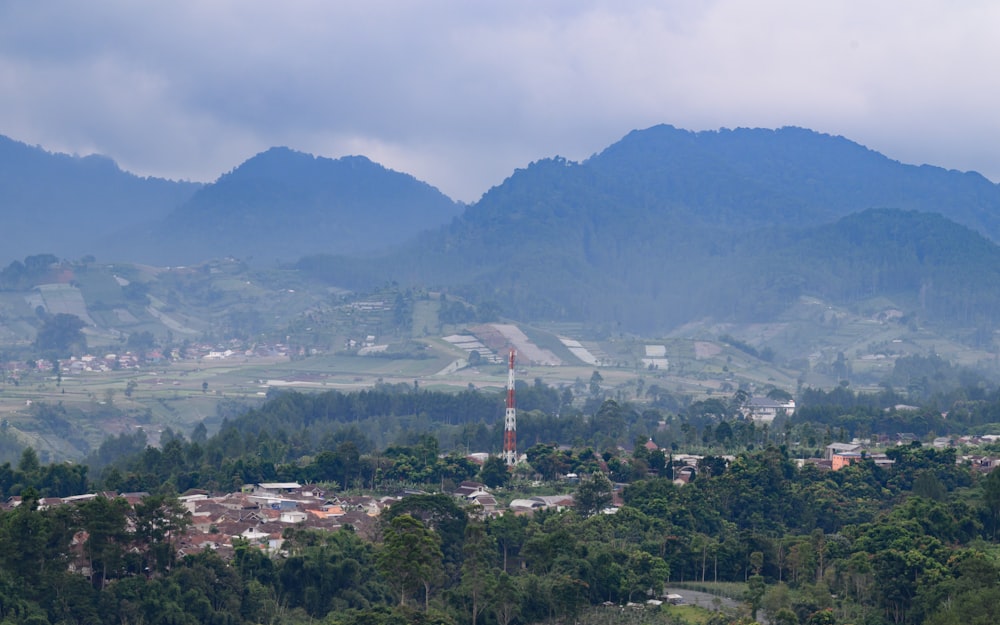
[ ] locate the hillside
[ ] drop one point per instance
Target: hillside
(667, 226)
(281, 204)
(65, 205)
(664, 228)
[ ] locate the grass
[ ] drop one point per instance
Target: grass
(425, 317)
(662, 615)
(688, 613)
(730, 590)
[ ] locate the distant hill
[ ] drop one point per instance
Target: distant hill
(282, 204)
(662, 227)
(668, 225)
(64, 204)
(787, 176)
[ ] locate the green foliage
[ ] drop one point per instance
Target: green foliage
(439, 513)
(19, 276)
(593, 494)
(347, 203)
(797, 536)
(411, 557)
(61, 335)
(494, 472)
(324, 572)
(901, 543)
(746, 220)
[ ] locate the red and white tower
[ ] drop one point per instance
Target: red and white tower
(510, 419)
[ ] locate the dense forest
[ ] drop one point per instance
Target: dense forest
(910, 542)
(737, 224)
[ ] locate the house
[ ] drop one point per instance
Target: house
(824, 464)
(881, 460)
(469, 489)
(483, 504)
(684, 475)
(521, 506)
(838, 448)
(842, 459)
(765, 409)
(277, 488)
(274, 503)
(544, 502)
(313, 491)
(292, 516)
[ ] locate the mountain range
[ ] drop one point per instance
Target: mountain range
(279, 204)
(668, 225)
(662, 227)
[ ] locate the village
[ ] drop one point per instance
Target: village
(259, 514)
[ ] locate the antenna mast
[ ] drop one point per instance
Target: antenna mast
(510, 419)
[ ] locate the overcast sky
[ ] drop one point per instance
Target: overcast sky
(461, 93)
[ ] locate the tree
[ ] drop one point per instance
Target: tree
(410, 557)
(494, 472)
(754, 594)
(477, 567)
(547, 460)
(31, 544)
(644, 572)
(61, 335)
(506, 599)
(991, 502)
(595, 383)
(440, 514)
(610, 420)
(593, 495)
(778, 394)
(105, 521)
(29, 464)
(157, 521)
(509, 532)
(140, 341)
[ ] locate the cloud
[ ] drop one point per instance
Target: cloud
(461, 93)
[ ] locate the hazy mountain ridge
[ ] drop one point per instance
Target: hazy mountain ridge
(278, 204)
(662, 227)
(281, 204)
(668, 225)
(790, 176)
(64, 204)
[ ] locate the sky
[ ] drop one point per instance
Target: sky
(461, 93)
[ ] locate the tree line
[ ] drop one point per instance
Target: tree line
(910, 544)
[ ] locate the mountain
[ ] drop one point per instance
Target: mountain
(790, 175)
(282, 204)
(669, 225)
(660, 228)
(65, 204)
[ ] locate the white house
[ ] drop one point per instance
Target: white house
(765, 409)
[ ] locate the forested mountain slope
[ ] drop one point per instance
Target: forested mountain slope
(281, 204)
(64, 204)
(668, 225)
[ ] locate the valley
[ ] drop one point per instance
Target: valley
(161, 358)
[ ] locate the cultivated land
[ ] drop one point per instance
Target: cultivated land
(223, 337)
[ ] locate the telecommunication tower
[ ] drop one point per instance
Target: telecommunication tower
(510, 419)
